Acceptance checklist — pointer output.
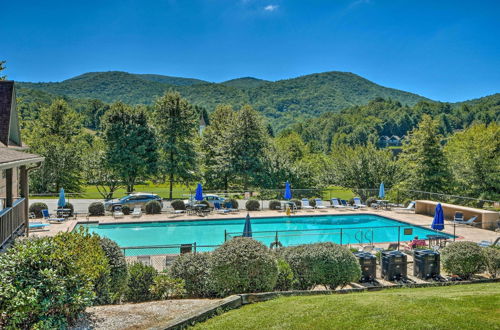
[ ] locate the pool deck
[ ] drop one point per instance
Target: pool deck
(463, 232)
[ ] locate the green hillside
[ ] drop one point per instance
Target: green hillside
(283, 102)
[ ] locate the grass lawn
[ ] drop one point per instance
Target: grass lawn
(474, 306)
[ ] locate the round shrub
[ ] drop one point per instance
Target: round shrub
(153, 207)
(325, 264)
(297, 202)
(252, 205)
(312, 202)
(232, 201)
(492, 260)
(274, 205)
(96, 209)
(285, 276)
(463, 259)
(37, 208)
(117, 271)
(141, 278)
(194, 269)
(165, 287)
(125, 209)
(178, 205)
(243, 265)
(46, 283)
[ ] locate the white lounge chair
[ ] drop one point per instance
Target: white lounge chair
(319, 204)
(409, 208)
(136, 213)
(336, 204)
(357, 202)
(118, 214)
(305, 204)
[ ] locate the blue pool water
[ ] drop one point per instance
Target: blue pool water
(341, 229)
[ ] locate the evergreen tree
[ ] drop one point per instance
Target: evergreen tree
(2, 67)
(215, 143)
(423, 162)
(176, 122)
(130, 143)
(58, 136)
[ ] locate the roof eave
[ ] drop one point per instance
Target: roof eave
(21, 162)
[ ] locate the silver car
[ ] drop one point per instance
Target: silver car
(133, 200)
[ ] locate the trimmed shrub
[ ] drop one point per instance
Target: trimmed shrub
(141, 278)
(492, 260)
(312, 202)
(297, 202)
(274, 205)
(243, 265)
(47, 282)
(285, 276)
(153, 207)
(118, 272)
(234, 203)
(325, 264)
(178, 205)
(194, 269)
(125, 209)
(252, 205)
(165, 287)
(96, 209)
(463, 259)
(37, 209)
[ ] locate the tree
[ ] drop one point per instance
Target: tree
(424, 166)
(474, 158)
(216, 157)
(2, 67)
(98, 172)
(248, 140)
(130, 143)
(58, 136)
(175, 123)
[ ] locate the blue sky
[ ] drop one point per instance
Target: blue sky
(444, 50)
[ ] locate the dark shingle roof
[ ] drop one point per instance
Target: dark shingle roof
(8, 155)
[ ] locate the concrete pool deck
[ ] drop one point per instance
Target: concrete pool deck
(463, 232)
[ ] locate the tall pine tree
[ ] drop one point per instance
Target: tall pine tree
(175, 122)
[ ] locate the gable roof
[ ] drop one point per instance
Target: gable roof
(10, 134)
(11, 157)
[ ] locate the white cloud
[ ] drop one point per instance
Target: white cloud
(271, 7)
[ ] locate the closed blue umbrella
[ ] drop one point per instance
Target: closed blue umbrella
(288, 191)
(62, 200)
(381, 191)
(199, 193)
(247, 230)
(438, 221)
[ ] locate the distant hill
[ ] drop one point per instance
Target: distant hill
(283, 101)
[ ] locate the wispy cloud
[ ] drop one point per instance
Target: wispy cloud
(271, 7)
(356, 3)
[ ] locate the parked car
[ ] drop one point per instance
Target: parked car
(209, 198)
(133, 200)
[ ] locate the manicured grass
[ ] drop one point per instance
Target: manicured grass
(338, 192)
(474, 306)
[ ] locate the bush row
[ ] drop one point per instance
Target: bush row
(467, 258)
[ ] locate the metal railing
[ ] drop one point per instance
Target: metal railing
(11, 220)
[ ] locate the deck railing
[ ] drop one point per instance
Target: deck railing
(11, 220)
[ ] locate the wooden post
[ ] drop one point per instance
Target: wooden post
(24, 192)
(8, 188)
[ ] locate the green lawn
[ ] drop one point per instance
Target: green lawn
(474, 306)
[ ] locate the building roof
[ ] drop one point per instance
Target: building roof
(9, 122)
(12, 158)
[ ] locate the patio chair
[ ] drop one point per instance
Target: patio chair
(409, 208)
(459, 216)
(357, 202)
(336, 204)
(219, 209)
(136, 213)
(229, 206)
(50, 218)
(346, 205)
(305, 204)
(37, 225)
(319, 204)
(468, 222)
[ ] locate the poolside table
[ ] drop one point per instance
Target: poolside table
(200, 209)
(384, 203)
(65, 213)
(439, 240)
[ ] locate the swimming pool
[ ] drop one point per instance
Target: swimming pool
(341, 229)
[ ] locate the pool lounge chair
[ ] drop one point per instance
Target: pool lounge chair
(229, 206)
(219, 209)
(459, 216)
(319, 204)
(49, 218)
(347, 206)
(305, 204)
(357, 202)
(468, 222)
(37, 225)
(336, 204)
(136, 213)
(409, 208)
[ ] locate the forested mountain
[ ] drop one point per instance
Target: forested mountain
(283, 102)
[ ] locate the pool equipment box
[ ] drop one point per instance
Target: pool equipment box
(368, 263)
(426, 264)
(394, 265)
